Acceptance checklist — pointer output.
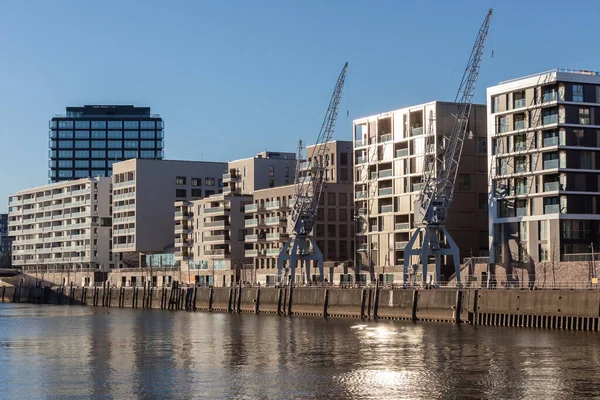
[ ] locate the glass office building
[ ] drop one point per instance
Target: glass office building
(88, 140)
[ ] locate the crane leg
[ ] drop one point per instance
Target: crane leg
(425, 255)
(293, 262)
(455, 254)
(307, 266)
(409, 251)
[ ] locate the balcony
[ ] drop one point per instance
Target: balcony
(251, 238)
(402, 153)
(216, 238)
(118, 232)
(386, 191)
(215, 210)
(550, 119)
(274, 221)
(385, 138)
(362, 211)
(415, 131)
(273, 252)
(123, 220)
(374, 228)
(551, 186)
(230, 177)
(519, 103)
(361, 160)
(519, 125)
(386, 209)
(552, 209)
(251, 208)
(521, 189)
(521, 211)
(251, 223)
(182, 229)
(253, 253)
(551, 164)
(182, 214)
(520, 146)
(360, 143)
(277, 236)
(123, 196)
(217, 224)
(417, 187)
(305, 165)
(548, 97)
(228, 190)
(386, 173)
(400, 245)
(520, 168)
(271, 205)
(123, 184)
(402, 226)
(123, 245)
(217, 252)
(550, 141)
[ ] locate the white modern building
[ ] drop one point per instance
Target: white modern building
(62, 226)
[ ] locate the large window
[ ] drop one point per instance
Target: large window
(115, 124)
(115, 134)
(209, 181)
(98, 124)
(502, 125)
(98, 164)
(65, 154)
(53, 144)
(196, 192)
(180, 193)
(196, 182)
(98, 134)
(82, 144)
(82, 134)
(147, 144)
(98, 144)
(584, 116)
(98, 154)
(147, 154)
(577, 92)
(97, 172)
(114, 154)
(81, 173)
(180, 180)
(82, 164)
(82, 124)
(65, 164)
(82, 154)
(147, 124)
(147, 134)
(131, 135)
(65, 173)
(131, 144)
(115, 144)
(65, 134)
(130, 153)
(131, 125)
(65, 144)
(65, 124)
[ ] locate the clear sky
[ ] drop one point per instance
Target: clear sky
(232, 78)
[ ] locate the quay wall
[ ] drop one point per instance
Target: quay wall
(560, 309)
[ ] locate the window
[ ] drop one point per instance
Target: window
(115, 124)
(98, 134)
(65, 164)
(114, 144)
(65, 144)
(65, 134)
(98, 154)
(271, 171)
(495, 104)
(481, 145)
(343, 199)
(549, 116)
(147, 124)
(464, 182)
(82, 144)
(196, 192)
(52, 124)
(131, 144)
(519, 99)
(287, 171)
(147, 144)
(115, 134)
(584, 116)
(65, 154)
(196, 182)
(209, 181)
(113, 154)
(98, 173)
(82, 154)
(331, 199)
(586, 158)
(82, 134)
(82, 164)
(502, 125)
(81, 173)
(98, 144)
(180, 193)
(543, 230)
(519, 121)
(53, 144)
(147, 134)
(98, 164)
(65, 173)
(220, 183)
(577, 92)
(131, 124)
(208, 193)
(131, 135)
(110, 163)
(98, 124)
(483, 201)
(130, 154)
(147, 154)
(65, 124)
(271, 182)
(180, 180)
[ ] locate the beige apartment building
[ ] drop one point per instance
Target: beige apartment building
(144, 192)
(388, 176)
(544, 188)
(62, 227)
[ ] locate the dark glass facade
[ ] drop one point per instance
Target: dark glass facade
(88, 140)
(5, 243)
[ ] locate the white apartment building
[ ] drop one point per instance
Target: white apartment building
(62, 226)
(144, 194)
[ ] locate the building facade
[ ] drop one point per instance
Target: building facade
(266, 169)
(144, 194)
(388, 177)
(88, 140)
(544, 188)
(62, 226)
(5, 243)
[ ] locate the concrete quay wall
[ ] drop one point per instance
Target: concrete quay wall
(563, 309)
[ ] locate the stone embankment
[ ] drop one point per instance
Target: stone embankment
(555, 309)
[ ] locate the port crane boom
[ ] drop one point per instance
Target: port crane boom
(440, 170)
(309, 181)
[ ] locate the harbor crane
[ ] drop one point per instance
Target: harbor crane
(309, 180)
(440, 169)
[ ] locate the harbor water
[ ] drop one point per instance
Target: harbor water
(61, 352)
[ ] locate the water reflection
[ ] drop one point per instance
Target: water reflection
(63, 351)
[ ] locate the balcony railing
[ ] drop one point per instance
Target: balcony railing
(215, 210)
(402, 153)
(402, 226)
(385, 138)
(251, 238)
(271, 205)
(550, 119)
(519, 125)
(386, 191)
(361, 195)
(386, 173)
(550, 141)
(216, 224)
(276, 236)
(521, 211)
(415, 131)
(551, 164)
(216, 238)
(249, 208)
(273, 252)
(274, 220)
(361, 160)
(552, 209)
(387, 209)
(549, 96)
(251, 223)
(520, 146)
(551, 186)
(521, 189)
(360, 143)
(400, 245)
(374, 228)
(520, 103)
(417, 187)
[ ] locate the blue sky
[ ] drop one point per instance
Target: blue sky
(232, 78)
